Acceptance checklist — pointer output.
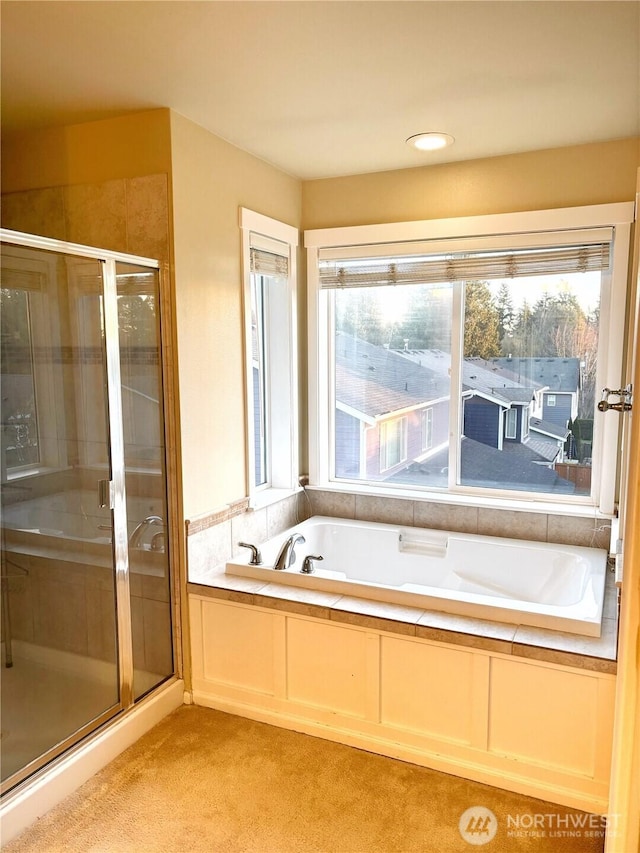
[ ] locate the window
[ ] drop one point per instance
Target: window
(269, 266)
(19, 413)
(32, 384)
(427, 429)
(551, 399)
(393, 443)
(469, 321)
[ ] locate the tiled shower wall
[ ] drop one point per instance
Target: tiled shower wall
(124, 215)
(213, 540)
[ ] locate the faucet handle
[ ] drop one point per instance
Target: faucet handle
(256, 556)
(307, 564)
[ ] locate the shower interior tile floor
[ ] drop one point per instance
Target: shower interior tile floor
(41, 704)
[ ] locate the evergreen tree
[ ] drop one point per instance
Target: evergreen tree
(506, 314)
(427, 323)
(358, 314)
(481, 322)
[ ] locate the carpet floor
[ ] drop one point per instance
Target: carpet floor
(203, 781)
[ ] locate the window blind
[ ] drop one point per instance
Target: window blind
(265, 263)
(268, 256)
(377, 271)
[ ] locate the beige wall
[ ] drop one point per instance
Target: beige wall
(123, 147)
(537, 180)
(211, 181)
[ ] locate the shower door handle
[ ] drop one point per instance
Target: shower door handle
(105, 494)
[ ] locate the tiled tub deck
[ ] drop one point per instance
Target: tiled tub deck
(597, 654)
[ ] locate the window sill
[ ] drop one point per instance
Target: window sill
(265, 498)
(507, 503)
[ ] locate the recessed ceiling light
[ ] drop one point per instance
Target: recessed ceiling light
(430, 141)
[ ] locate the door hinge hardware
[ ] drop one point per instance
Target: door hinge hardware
(106, 494)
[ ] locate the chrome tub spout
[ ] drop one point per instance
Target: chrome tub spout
(287, 556)
(135, 539)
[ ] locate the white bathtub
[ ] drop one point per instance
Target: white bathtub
(508, 580)
(71, 525)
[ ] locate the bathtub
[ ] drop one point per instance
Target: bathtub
(71, 526)
(537, 584)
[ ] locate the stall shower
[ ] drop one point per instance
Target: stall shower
(86, 584)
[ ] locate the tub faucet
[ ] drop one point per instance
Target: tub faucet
(287, 556)
(140, 529)
(256, 556)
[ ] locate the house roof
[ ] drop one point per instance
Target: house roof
(546, 450)
(477, 375)
(547, 428)
(514, 395)
(513, 467)
(556, 374)
(376, 381)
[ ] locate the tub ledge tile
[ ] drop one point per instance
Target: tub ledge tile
(598, 653)
(305, 602)
(377, 615)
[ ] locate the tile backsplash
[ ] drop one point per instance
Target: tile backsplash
(511, 524)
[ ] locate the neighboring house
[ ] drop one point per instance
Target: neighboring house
(559, 379)
(497, 408)
(389, 411)
(392, 419)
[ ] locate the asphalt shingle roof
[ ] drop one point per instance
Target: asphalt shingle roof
(514, 467)
(477, 375)
(374, 380)
(558, 374)
(547, 427)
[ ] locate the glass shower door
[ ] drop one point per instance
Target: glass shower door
(60, 673)
(86, 592)
(145, 476)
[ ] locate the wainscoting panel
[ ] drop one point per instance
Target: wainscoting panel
(527, 726)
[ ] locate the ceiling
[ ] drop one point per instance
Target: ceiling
(335, 87)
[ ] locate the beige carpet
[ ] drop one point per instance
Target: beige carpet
(205, 781)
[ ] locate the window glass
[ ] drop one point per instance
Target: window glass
(392, 351)
(427, 429)
(523, 336)
(258, 374)
(19, 414)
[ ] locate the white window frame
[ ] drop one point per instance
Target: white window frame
(498, 229)
(281, 357)
(551, 400)
(511, 420)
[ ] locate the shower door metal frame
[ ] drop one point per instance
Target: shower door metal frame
(116, 488)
